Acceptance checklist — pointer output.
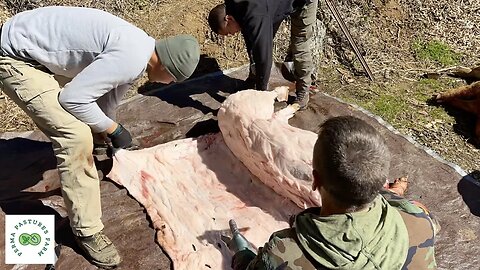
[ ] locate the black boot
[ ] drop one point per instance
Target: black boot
(302, 99)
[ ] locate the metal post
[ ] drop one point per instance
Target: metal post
(345, 31)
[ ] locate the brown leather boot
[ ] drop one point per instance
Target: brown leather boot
(99, 250)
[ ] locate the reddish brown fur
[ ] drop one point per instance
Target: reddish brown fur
(466, 98)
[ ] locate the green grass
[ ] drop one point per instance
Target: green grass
(431, 83)
(435, 51)
(380, 101)
(402, 104)
(425, 88)
(388, 106)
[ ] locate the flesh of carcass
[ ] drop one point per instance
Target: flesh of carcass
(192, 187)
(280, 155)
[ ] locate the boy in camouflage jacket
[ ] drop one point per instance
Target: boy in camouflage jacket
(360, 225)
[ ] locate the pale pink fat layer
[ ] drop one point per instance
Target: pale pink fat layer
(192, 187)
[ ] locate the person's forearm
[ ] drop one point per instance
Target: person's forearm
(88, 113)
(79, 99)
(112, 128)
(258, 34)
(262, 76)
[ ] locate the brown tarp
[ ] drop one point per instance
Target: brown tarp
(188, 110)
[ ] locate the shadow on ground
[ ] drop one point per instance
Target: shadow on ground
(464, 124)
(27, 161)
(24, 162)
(469, 188)
(63, 233)
(185, 95)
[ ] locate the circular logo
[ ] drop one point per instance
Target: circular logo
(26, 239)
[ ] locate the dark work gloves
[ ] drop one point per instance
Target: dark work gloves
(120, 138)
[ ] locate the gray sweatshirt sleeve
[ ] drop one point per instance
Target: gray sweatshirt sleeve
(123, 60)
(109, 102)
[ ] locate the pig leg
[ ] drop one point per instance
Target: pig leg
(465, 93)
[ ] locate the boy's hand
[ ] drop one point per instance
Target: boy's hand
(399, 186)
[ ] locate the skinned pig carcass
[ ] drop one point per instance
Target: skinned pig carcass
(278, 154)
(191, 188)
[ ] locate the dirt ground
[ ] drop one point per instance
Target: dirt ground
(398, 39)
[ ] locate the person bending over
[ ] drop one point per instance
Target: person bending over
(259, 20)
(101, 56)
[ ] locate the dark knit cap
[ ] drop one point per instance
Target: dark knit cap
(179, 54)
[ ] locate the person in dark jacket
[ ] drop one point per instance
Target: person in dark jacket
(259, 20)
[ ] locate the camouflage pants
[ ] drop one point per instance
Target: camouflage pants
(303, 23)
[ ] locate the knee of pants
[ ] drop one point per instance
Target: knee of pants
(76, 140)
(302, 36)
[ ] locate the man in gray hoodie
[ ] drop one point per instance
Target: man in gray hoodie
(101, 55)
(356, 227)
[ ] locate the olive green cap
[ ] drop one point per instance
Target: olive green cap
(179, 54)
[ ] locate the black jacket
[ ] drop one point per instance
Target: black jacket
(259, 20)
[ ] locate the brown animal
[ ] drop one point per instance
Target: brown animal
(469, 74)
(466, 98)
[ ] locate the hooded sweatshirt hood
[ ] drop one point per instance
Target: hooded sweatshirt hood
(374, 238)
